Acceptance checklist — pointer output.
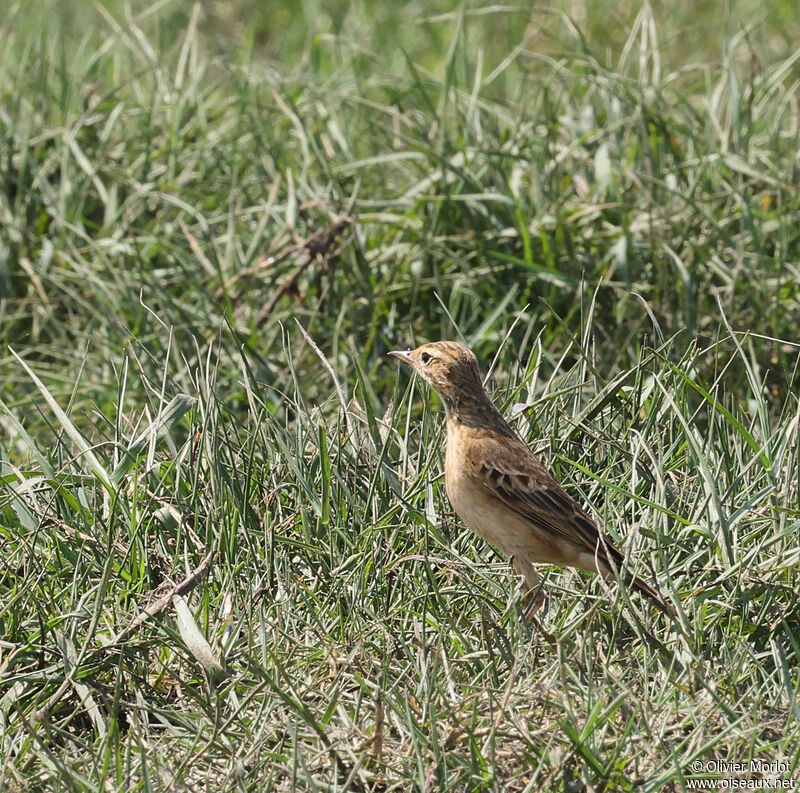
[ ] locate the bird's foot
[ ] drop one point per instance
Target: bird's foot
(533, 601)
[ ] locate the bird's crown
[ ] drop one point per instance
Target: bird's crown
(448, 367)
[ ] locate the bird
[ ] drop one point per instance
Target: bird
(501, 490)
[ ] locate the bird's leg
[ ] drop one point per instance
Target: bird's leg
(534, 598)
(533, 602)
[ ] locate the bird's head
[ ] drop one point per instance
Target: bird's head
(450, 368)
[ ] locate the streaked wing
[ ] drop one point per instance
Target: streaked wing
(507, 468)
(511, 472)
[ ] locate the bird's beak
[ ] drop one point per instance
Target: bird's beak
(402, 355)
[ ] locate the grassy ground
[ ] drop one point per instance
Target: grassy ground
(226, 556)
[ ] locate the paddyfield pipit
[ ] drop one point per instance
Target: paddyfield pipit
(497, 486)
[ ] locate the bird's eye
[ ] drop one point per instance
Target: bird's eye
(426, 357)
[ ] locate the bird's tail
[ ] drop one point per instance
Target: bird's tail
(642, 586)
(615, 569)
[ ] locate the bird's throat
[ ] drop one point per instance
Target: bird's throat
(474, 410)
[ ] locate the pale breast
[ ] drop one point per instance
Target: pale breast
(472, 504)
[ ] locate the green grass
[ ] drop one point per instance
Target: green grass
(226, 555)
